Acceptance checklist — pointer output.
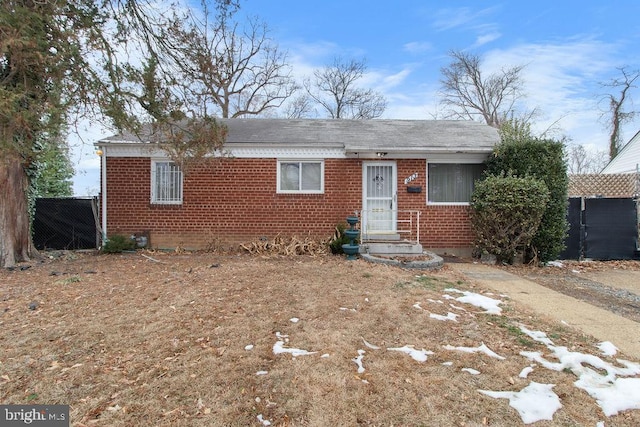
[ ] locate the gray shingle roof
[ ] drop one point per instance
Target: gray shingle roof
(354, 135)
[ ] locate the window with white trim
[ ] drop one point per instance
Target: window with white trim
(305, 176)
(166, 183)
(452, 183)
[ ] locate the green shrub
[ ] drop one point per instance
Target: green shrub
(523, 155)
(118, 243)
(506, 213)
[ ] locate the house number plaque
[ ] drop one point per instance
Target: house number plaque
(410, 178)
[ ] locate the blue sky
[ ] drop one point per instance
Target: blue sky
(568, 47)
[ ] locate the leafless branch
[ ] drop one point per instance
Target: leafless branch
(469, 95)
(334, 89)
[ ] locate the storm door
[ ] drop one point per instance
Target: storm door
(379, 196)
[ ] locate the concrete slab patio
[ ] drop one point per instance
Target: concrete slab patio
(597, 322)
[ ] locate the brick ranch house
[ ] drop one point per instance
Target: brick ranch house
(301, 178)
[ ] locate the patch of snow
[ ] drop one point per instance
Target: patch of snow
(348, 309)
(417, 355)
(358, 361)
(621, 395)
(263, 421)
(371, 346)
(450, 316)
(607, 348)
(526, 371)
(262, 373)
(612, 394)
(278, 348)
(294, 320)
(447, 363)
(490, 305)
(555, 264)
(535, 402)
(248, 347)
(417, 305)
(325, 356)
(435, 301)
(536, 335)
(471, 371)
(457, 308)
(480, 349)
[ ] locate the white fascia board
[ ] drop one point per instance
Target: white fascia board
(418, 153)
(302, 151)
(457, 157)
(131, 150)
(262, 151)
(246, 151)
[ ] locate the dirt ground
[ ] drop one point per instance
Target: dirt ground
(188, 340)
(611, 285)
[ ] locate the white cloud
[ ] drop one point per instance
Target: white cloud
(486, 38)
(450, 18)
(417, 47)
(396, 79)
(562, 80)
(312, 52)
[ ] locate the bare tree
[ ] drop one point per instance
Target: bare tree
(299, 107)
(469, 95)
(238, 72)
(334, 88)
(618, 116)
(582, 161)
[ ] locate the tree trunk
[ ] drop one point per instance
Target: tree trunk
(15, 230)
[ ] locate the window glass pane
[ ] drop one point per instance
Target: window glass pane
(379, 181)
(167, 183)
(289, 176)
(161, 181)
(452, 183)
(311, 176)
(175, 192)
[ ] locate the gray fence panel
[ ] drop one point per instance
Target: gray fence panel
(574, 241)
(611, 229)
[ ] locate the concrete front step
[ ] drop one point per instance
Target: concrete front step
(385, 237)
(391, 248)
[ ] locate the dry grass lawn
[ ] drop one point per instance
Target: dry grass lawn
(127, 341)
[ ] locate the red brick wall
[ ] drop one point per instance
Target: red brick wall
(443, 227)
(235, 200)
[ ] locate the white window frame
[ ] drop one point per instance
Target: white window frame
(154, 193)
(278, 175)
(429, 202)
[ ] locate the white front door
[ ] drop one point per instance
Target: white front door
(379, 196)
